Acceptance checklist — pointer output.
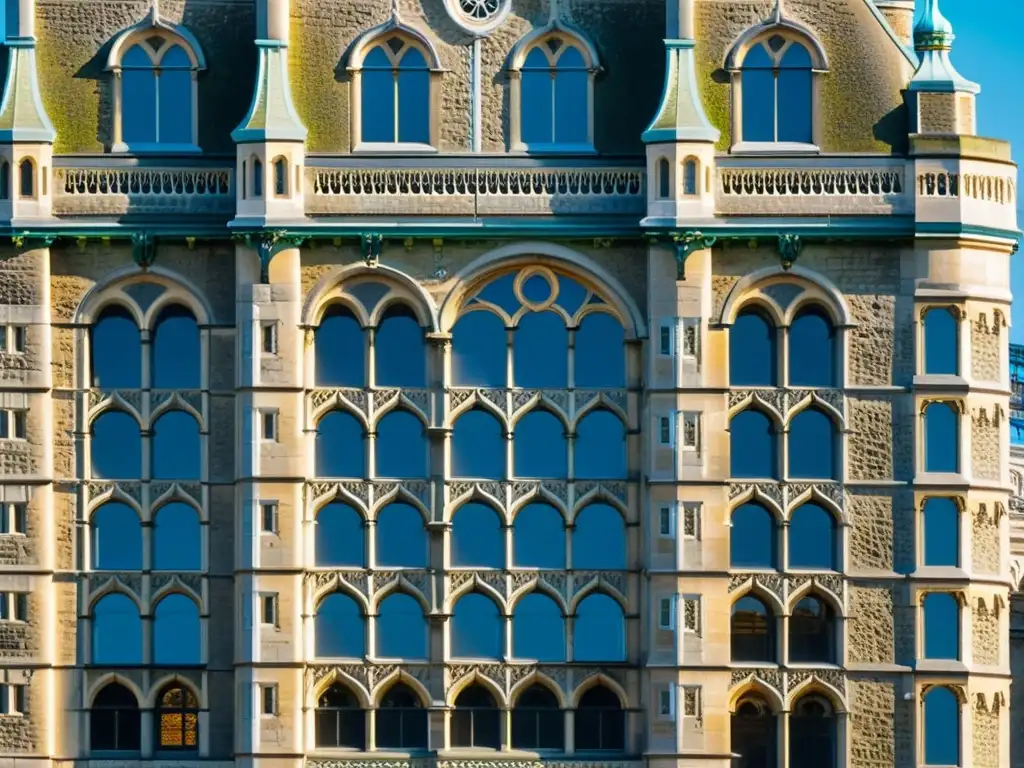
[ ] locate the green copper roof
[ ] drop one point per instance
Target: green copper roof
(933, 41)
(22, 116)
(272, 115)
(680, 115)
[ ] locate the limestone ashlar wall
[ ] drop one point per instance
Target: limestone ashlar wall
(323, 30)
(77, 94)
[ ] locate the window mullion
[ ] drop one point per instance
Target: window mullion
(395, 94)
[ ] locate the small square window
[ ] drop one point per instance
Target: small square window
(13, 518)
(666, 703)
(665, 343)
(269, 425)
(268, 516)
(13, 606)
(268, 696)
(665, 430)
(666, 613)
(269, 331)
(268, 609)
(19, 338)
(13, 699)
(12, 424)
(666, 521)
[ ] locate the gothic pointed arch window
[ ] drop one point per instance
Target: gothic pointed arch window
(155, 66)
(394, 70)
(177, 719)
(552, 91)
(776, 68)
(115, 724)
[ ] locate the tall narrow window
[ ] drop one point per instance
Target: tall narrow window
(753, 631)
(27, 178)
(114, 721)
(664, 180)
(941, 438)
(476, 721)
(940, 519)
(395, 84)
(752, 355)
(941, 341)
(340, 721)
(777, 82)
(754, 732)
(177, 719)
(941, 727)
(280, 177)
(812, 357)
(555, 97)
(691, 176)
(157, 82)
(941, 626)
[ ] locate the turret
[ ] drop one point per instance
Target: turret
(900, 15)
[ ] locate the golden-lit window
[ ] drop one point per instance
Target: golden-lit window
(178, 719)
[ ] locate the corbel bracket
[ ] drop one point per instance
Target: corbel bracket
(372, 244)
(686, 244)
(143, 249)
(33, 241)
(789, 249)
(440, 272)
(269, 244)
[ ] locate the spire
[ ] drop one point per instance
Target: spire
(22, 115)
(933, 41)
(272, 115)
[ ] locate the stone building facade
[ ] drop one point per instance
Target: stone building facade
(501, 383)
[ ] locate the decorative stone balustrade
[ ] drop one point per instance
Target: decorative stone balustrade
(112, 191)
(475, 191)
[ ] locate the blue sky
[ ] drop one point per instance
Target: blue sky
(988, 51)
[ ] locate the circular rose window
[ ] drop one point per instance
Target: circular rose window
(478, 17)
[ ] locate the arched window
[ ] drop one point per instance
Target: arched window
(813, 538)
(340, 721)
(941, 727)
(812, 632)
(537, 721)
(116, 447)
(257, 177)
(812, 734)
(338, 537)
(941, 539)
(753, 631)
(478, 537)
(691, 176)
(538, 538)
(115, 350)
(477, 628)
(339, 628)
(600, 447)
(540, 345)
(340, 446)
(941, 438)
(539, 447)
(599, 351)
(479, 350)
(280, 177)
(5, 180)
(941, 624)
(538, 629)
(395, 88)
(401, 720)
(752, 445)
(339, 344)
(600, 722)
(116, 630)
(27, 178)
(599, 539)
(941, 341)
(664, 179)
(478, 446)
(554, 97)
(177, 447)
(177, 719)
(599, 633)
(401, 628)
(812, 355)
(401, 537)
(752, 537)
(812, 446)
(476, 720)
(177, 538)
(176, 353)
(752, 351)
(114, 721)
(753, 734)
(777, 83)
(401, 446)
(116, 538)
(177, 634)
(400, 354)
(157, 96)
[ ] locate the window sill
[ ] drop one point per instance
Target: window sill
(394, 149)
(948, 666)
(774, 148)
(155, 149)
(554, 149)
(946, 380)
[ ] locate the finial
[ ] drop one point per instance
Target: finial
(933, 32)
(777, 13)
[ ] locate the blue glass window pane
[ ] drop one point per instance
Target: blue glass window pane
(752, 537)
(538, 629)
(176, 351)
(116, 538)
(177, 637)
(501, 293)
(758, 104)
(401, 446)
(941, 520)
(752, 355)
(599, 539)
(795, 106)
(175, 93)
(378, 98)
(116, 351)
(177, 447)
(139, 98)
(478, 446)
(477, 630)
(401, 537)
(538, 537)
(177, 538)
(339, 628)
(941, 626)
(478, 537)
(413, 98)
(116, 631)
(537, 96)
(340, 349)
(812, 538)
(812, 446)
(600, 357)
(539, 446)
(811, 350)
(600, 630)
(116, 447)
(540, 351)
(479, 351)
(752, 445)
(400, 356)
(401, 628)
(941, 350)
(338, 537)
(941, 728)
(572, 112)
(941, 434)
(600, 447)
(340, 446)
